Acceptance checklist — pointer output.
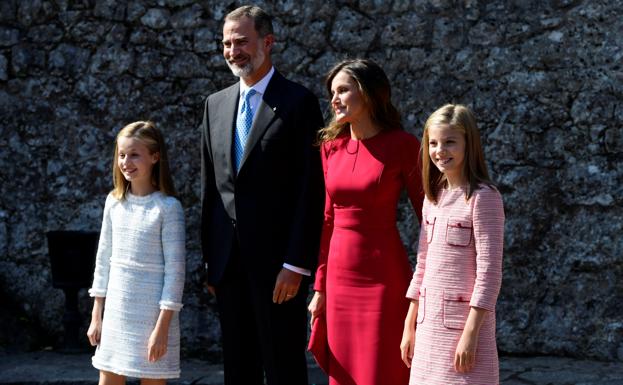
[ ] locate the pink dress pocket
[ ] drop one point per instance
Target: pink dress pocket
(430, 227)
(455, 310)
(459, 232)
(421, 307)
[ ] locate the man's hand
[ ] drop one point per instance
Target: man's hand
(286, 285)
(204, 280)
(211, 289)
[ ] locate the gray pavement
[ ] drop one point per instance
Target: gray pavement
(49, 367)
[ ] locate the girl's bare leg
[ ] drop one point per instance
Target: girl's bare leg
(151, 381)
(108, 378)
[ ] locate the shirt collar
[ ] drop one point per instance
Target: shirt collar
(259, 87)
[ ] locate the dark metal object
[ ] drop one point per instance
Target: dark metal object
(72, 257)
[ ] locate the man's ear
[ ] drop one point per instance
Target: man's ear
(269, 40)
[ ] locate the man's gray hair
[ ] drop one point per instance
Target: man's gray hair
(262, 20)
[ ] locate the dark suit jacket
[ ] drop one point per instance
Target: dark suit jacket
(274, 203)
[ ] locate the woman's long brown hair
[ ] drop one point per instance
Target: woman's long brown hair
(375, 90)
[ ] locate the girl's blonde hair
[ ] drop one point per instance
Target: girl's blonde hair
(460, 118)
(149, 135)
(375, 91)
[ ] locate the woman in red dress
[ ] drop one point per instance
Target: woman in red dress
(363, 269)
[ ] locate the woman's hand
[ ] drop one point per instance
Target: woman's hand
(317, 306)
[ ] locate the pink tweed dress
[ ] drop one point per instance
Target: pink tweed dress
(459, 265)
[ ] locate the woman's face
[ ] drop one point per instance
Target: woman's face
(347, 101)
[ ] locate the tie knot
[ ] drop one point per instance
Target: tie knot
(248, 94)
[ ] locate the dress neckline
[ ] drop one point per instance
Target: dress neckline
(460, 188)
(141, 198)
(364, 140)
(350, 142)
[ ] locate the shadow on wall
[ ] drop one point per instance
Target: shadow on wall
(19, 332)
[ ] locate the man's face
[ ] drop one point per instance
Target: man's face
(244, 50)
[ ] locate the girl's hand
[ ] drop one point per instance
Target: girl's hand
(95, 331)
(465, 355)
(95, 328)
(157, 344)
(317, 306)
(407, 345)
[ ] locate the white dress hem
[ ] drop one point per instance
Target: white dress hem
(134, 373)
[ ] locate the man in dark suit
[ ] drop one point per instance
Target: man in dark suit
(262, 192)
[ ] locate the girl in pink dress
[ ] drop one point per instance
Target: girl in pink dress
(449, 331)
(363, 269)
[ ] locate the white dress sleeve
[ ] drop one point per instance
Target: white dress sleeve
(174, 251)
(104, 252)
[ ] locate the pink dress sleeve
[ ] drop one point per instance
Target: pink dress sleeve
(418, 275)
(327, 228)
(488, 225)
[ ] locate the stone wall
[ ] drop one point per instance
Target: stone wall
(544, 78)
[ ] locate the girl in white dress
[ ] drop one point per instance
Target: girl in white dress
(139, 270)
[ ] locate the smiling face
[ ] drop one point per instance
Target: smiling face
(347, 100)
(135, 162)
(247, 54)
(446, 149)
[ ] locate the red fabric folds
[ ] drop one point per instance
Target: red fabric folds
(319, 344)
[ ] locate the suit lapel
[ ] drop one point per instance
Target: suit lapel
(265, 115)
(223, 128)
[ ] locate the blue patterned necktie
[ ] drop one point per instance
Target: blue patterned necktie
(243, 127)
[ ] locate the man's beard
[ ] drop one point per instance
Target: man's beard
(248, 68)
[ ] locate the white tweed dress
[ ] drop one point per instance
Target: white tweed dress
(139, 268)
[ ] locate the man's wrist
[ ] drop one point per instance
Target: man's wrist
(296, 269)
